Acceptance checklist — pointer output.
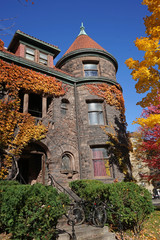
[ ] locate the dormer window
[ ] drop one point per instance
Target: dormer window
(36, 56)
(30, 54)
(90, 69)
(43, 58)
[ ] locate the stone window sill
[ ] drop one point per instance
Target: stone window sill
(69, 173)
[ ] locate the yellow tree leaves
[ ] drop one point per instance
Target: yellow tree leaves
(147, 72)
(150, 121)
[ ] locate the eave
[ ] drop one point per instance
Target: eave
(36, 67)
(87, 52)
(65, 78)
(20, 37)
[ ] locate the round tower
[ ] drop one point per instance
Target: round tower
(99, 109)
(83, 51)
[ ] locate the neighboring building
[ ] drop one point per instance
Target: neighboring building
(75, 146)
(139, 168)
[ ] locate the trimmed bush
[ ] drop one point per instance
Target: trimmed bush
(128, 203)
(30, 212)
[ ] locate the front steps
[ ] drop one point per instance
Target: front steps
(84, 232)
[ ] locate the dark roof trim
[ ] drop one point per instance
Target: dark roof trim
(51, 72)
(44, 50)
(87, 51)
(95, 80)
(20, 36)
(37, 67)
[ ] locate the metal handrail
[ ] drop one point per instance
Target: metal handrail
(59, 187)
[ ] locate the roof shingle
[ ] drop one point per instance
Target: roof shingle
(83, 42)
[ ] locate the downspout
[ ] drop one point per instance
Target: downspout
(77, 128)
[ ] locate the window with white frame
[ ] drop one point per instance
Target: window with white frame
(100, 162)
(95, 113)
(90, 69)
(30, 54)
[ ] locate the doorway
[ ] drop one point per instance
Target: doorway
(32, 165)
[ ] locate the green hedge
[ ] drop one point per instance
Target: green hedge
(30, 212)
(129, 204)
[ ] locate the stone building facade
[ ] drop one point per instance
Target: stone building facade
(75, 145)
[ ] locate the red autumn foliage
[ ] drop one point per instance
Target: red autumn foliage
(150, 145)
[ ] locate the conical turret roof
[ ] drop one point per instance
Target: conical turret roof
(85, 46)
(83, 41)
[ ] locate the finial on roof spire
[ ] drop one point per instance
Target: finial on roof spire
(82, 32)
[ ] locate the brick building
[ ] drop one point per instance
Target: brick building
(75, 146)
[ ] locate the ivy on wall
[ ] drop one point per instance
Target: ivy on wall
(119, 143)
(112, 95)
(18, 129)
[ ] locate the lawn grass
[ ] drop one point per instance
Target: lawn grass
(150, 229)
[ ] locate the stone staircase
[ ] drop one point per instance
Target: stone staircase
(83, 232)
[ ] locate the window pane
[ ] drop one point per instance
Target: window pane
(66, 165)
(93, 118)
(43, 61)
(100, 163)
(90, 73)
(30, 57)
(43, 56)
(95, 114)
(64, 105)
(30, 51)
(100, 118)
(99, 153)
(94, 106)
(90, 66)
(99, 168)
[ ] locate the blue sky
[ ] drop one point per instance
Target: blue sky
(112, 24)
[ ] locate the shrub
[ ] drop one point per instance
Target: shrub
(129, 204)
(30, 212)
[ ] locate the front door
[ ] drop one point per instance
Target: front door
(30, 168)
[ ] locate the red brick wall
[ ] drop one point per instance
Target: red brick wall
(50, 61)
(20, 52)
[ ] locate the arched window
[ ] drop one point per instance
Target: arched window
(66, 162)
